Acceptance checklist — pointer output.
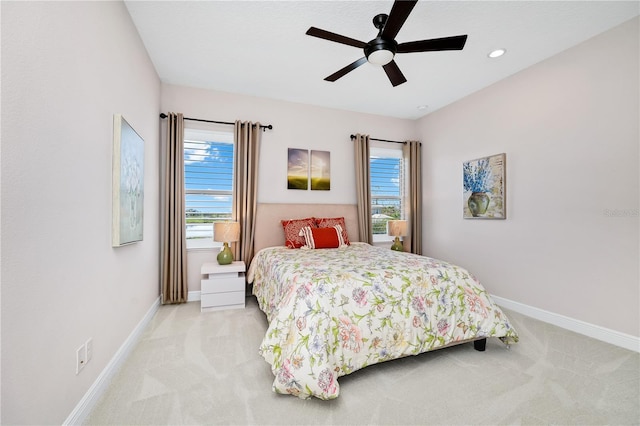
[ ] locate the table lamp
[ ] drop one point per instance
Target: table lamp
(226, 232)
(397, 228)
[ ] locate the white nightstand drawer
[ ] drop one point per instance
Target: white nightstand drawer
(222, 286)
(222, 299)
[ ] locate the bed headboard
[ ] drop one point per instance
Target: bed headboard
(269, 230)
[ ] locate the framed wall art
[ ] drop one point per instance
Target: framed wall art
(308, 169)
(128, 183)
(320, 170)
(484, 193)
(297, 168)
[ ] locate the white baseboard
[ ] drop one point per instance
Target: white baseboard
(193, 296)
(595, 331)
(89, 400)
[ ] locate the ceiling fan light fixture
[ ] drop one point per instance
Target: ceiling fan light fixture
(380, 57)
(380, 51)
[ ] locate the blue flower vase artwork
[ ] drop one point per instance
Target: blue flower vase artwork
(483, 182)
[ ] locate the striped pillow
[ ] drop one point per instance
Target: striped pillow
(328, 222)
(320, 238)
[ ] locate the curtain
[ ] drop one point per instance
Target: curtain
(245, 186)
(174, 246)
(412, 152)
(363, 188)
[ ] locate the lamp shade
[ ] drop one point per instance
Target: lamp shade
(397, 228)
(226, 232)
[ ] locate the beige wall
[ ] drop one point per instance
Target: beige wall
(66, 69)
(569, 128)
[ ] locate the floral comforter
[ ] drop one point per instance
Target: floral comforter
(334, 311)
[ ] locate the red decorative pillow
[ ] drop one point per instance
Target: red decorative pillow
(328, 222)
(320, 238)
(292, 227)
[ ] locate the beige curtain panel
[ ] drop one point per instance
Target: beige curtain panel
(174, 245)
(245, 188)
(412, 152)
(363, 188)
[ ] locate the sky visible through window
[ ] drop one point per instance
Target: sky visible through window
(385, 192)
(385, 176)
(208, 165)
(208, 171)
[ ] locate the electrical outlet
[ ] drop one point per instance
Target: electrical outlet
(81, 358)
(89, 346)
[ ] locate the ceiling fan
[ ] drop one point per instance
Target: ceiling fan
(382, 49)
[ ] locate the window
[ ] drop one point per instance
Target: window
(208, 177)
(386, 176)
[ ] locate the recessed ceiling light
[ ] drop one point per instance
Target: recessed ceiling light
(497, 53)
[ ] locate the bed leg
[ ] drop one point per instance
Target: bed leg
(480, 345)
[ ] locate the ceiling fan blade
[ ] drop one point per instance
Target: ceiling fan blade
(327, 35)
(336, 75)
(399, 13)
(393, 72)
(434, 44)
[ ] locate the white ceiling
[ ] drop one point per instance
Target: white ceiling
(260, 48)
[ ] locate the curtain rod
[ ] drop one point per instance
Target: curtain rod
(263, 127)
(379, 140)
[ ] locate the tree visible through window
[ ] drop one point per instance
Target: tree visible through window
(385, 167)
(208, 172)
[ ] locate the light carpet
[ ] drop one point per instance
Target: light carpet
(191, 368)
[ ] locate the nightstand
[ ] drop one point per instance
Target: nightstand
(223, 288)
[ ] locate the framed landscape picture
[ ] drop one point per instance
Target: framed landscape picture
(484, 194)
(308, 169)
(297, 168)
(128, 183)
(320, 170)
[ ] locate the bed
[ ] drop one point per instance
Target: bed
(333, 311)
